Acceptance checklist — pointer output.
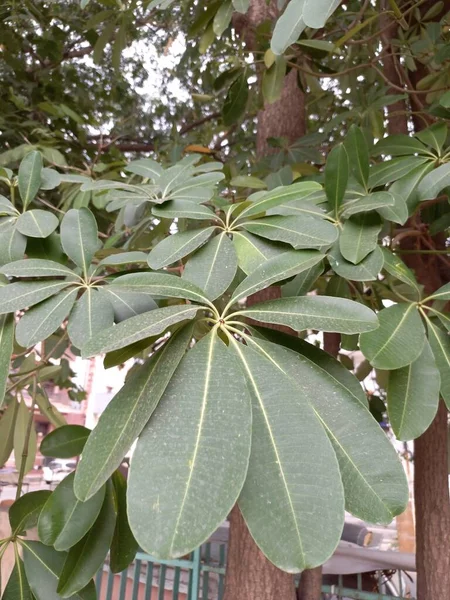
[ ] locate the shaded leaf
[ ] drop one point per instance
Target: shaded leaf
(303, 282)
(65, 442)
(398, 341)
(64, 519)
(17, 587)
(29, 179)
(25, 511)
(87, 557)
(177, 246)
(358, 155)
(413, 396)
(138, 328)
(43, 566)
(373, 201)
(127, 414)
(299, 232)
(280, 267)
(7, 428)
(21, 452)
(263, 201)
(177, 209)
(359, 237)
(6, 346)
(336, 177)
(440, 345)
(252, 251)
(123, 546)
(366, 270)
(236, 100)
(38, 323)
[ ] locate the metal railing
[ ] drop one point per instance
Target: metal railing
(201, 576)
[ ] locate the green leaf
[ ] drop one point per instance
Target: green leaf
(247, 181)
(299, 232)
(399, 145)
(283, 494)
(177, 246)
(158, 284)
(413, 396)
(20, 433)
(326, 366)
(64, 519)
(222, 17)
(178, 209)
(288, 27)
(364, 204)
(358, 155)
(47, 409)
(398, 213)
(43, 566)
(434, 136)
(394, 169)
(124, 258)
(25, 511)
(29, 179)
(433, 183)
(123, 546)
(336, 177)
(273, 80)
(7, 428)
(212, 421)
(317, 12)
(38, 323)
(79, 236)
(303, 282)
(12, 244)
(36, 267)
(93, 313)
(440, 345)
(6, 345)
(407, 185)
(276, 269)
(315, 312)
(65, 442)
(398, 341)
(50, 179)
(127, 303)
(252, 251)
(138, 328)
(213, 267)
(366, 270)
(396, 267)
(146, 167)
(241, 5)
(37, 223)
(359, 237)
(17, 587)
(236, 100)
(375, 492)
(127, 414)
(280, 195)
(443, 293)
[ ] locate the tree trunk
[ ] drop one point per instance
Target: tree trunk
(433, 510)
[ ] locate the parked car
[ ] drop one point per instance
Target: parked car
(57, 469)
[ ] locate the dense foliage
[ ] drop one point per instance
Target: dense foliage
(156, 258)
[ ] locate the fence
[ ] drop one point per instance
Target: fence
(201, 576)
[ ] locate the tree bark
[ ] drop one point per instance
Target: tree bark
(433, 510)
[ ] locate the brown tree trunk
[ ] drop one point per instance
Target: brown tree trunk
(433, 511)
